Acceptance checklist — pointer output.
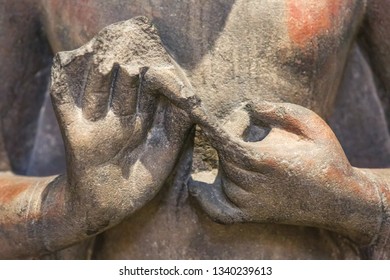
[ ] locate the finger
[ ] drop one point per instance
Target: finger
(97, 91)
(174, 122)
(234, 141)
(213, 200)
(146, 102)
(230, 147)
(290, 117)
(67, 79)
(164, 85)
(125, 89)
(167, 83)
(175, 88)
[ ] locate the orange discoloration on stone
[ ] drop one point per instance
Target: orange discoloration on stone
(308, 19)
(10, 189)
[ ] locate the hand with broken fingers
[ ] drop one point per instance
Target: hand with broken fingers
(122, 139)
(122, 136)
(281, 163)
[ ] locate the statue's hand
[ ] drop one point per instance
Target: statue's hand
(122, 137)
(297, 174)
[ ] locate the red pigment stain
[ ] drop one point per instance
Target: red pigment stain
(308, 19)
(9, 190)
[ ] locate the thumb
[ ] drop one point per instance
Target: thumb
(214, 202)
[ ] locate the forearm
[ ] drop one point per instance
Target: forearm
(20, 208)
(380, 248)
(343, 201)
(356, 205)
(43, 215)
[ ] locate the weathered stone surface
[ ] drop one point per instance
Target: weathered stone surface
(277, 166)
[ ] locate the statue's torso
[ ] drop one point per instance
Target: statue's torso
(289, 50)
(232, 51)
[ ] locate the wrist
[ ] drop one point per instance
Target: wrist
(75, 210)
(380, 245)
(364, 191)
(105, 192)
(349, 204)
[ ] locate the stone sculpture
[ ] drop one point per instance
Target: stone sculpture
(190, 146)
